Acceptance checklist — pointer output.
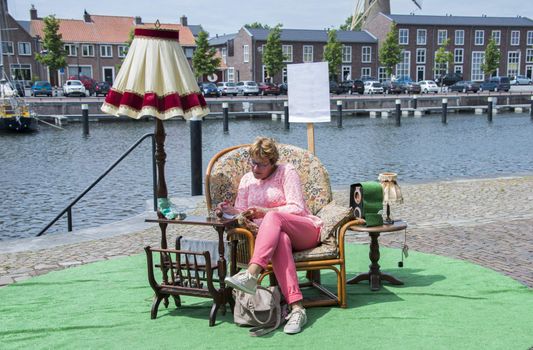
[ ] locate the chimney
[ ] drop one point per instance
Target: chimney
(86, 16)
(5, 9)
(33, 12)
(183, 20)
(138, 20)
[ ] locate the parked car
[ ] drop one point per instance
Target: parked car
(102, 88)
(74, 88)
(267, 88)
(449, 79)
(248, 88)
(283, 88)
(464, 86)
(521, 80)
(209, 89)
(496, 84)
(391, 87)
(41, 87)
(373, 87)
(427, 86)
(366, 78)
(335, 88)
(225, 88)
(408, 85)
(353, 86)
(88, 82)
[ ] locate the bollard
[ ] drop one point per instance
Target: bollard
(398, 112)
(196, 157)
(85, 118)
(415, 102)
(444, 110)
(286, 113)
(225, 121)
(339, 109)
(531, 108)
(489, 110)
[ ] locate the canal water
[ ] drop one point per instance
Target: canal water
(41, 173)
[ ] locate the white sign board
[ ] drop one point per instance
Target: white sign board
(308, 92)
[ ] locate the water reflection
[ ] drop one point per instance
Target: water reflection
(41, 172)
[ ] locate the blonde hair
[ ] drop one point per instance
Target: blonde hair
(264, 148)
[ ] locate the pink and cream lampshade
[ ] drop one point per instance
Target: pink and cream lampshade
(391, 192)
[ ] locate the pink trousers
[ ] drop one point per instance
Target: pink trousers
(280, 234)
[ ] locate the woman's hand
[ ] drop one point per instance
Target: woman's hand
(257, 212)
(226, 208)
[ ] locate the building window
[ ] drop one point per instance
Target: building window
(529, 38)
(346, 73)
(479, 38)
(458, 69)
(442, 35)
(189, 52)
(420, 56)
(264, 73)
(513, 63)
(308, 53)
(366, 72)
(122, 51)
(231, 74)
(459, 37)
(403, 36)
(284, 75)
(529, 55)
(71, 50)
(224, 54)
(106, 51)
(382, 73)
(21, 71)
(477, 61)
(366, 56)
(421, 36)
(287, 53)
(496, 35)
(24, 48)
(246, 53)
(87, 50)
(346, 54)
(83, 70)
(515, 37)
(458, 56)
(402, 68)
(7, 48)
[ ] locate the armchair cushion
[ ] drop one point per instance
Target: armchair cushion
(334, 216)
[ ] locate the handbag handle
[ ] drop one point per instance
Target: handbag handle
(271, 307)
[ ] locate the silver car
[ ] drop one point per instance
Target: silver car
(225, 88)
(248, 88)
(521, 80)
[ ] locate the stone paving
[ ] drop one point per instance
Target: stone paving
(486, 221)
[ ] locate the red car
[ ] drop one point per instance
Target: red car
(268, 89)
(88, 82)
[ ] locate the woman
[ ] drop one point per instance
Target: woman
(271, 194)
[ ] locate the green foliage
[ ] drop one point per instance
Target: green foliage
(443, 58)
(204, 61)
(390, 53)
(257, 25)
(53, 54)
(333, 55)
(348, 23)
(492, 58)
(273, 53)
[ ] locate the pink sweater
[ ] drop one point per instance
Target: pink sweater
(282, 190)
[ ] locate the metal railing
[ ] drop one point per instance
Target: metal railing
(68, 209)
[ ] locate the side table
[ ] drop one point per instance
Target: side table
(375, 276)
(184, 278)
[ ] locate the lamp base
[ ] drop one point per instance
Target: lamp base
(388, 220)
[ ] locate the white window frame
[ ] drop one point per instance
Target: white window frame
(529, 38)
(122, 51)
(529, 55)
(346, 54)
(479, 37)
(87, 50)
(10, 49)
(246, 53)
(71, 49)
(403, 36)
(382, 73)
(346, 72)
(436, 70)
(22, 46)
(497, 36)
(366, 54)
(106, 51)
(459, 56)
(189, 51)
(515, 37)
(74, 68)
(421, 56)
(513, 58)
(442, 36)
(264, 73)
(404, 67)
(458, 69)
(230, 74)
(21, 66)
(460, 37)
(477, 74)
(307, 53)
(421, 36)
(104, 69)
(287, 53)
(366, 72)
(284, 74)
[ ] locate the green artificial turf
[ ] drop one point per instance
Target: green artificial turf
(444, 304)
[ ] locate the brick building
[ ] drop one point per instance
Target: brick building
(241, 52)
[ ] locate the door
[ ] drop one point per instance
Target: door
(420, 73)
(529, 71)
(109, 74)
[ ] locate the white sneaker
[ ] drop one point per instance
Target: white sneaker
(295, 321)
(243, 281)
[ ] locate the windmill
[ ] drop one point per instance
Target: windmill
(363, 8)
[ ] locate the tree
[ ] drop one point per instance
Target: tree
(257, 25)
(204, 61)
(443, 58)
(492, 58)
(53, 54)
(333, 54)
(273, 53)
(390, 53)
(348, 23)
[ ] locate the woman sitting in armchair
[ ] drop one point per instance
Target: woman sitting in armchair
(271, 195)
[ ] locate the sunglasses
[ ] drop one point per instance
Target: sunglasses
(253, 163)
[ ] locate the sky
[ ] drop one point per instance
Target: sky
(224, 17)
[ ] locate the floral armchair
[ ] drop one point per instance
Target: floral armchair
(222, 179)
